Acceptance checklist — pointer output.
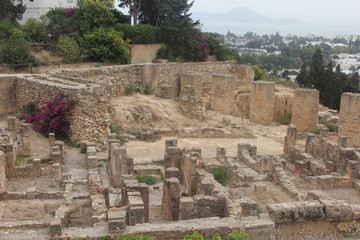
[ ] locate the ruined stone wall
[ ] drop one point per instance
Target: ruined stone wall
(222, 93)
(262, 102)
(144, 53)
(117, 78)
(326, 216)
(7, 94)
(349, 124)
(305, 109)
(89, 118)
(2, 170)
(283, 106)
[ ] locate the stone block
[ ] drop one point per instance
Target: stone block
(337, 210)
(55, 227)
(171, 172)
(31, 193)
(325, 181)
(186, 204)
(259, 187)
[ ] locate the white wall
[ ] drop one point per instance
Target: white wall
(37, 8)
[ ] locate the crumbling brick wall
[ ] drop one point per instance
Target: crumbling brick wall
(7, 94)
(349, 124)
(305, 109)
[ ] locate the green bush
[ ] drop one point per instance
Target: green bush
(284, 120)
(216, 237)
(7, 28)
(237, 235)
(106, 45)
(139, 34)
(34, 30)
(329, 125)
(16, 51)
(68, 48)
(220, 175)
(131, 88)
(149, 180)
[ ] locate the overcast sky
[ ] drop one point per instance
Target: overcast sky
(317, 11)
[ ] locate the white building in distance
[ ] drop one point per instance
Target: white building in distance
(37, 8)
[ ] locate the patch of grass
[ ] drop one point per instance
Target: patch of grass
(148, 89)
(329, 125)
(135, 133)
(116, 129)
(220, 175)
(316, 131)
(149, 180)
(283, 120)
(82, 151)
(237, 235)
(131, 88)
(21, 159)
(97, 65)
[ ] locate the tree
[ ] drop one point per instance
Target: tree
(134, 8)
(9, 11)
(96, 13)
(317, 69)
(260, 74)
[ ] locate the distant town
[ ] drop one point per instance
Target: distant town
(277, 53)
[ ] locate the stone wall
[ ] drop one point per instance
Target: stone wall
(349, 124)
(144, 53)
(262, 103)
(305, 109)
(324, 217)
(2, 170)
(222, 93)
(7, 94)
(89, 118)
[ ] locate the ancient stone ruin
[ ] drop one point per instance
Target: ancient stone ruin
(293, 185)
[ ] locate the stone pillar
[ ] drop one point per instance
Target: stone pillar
(91, 157)
(136, 209)
(305, 109)
(11, 124)
(171, 172)
(349, 121)
(170, 143)
(222, 93)
(342, 142)
(25, 148)
(171, 199)
(51, 139)
(172, 157)
(2, 171)
(290, 139)
(10, 156)
(262, 102)
(60, 144)
(144, 192)
(220, 153)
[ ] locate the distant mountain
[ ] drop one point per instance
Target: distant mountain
(241, 15)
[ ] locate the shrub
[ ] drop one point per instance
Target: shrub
(149, 180)
(131, 88)
(16, 51)
(237, 235)
(68, 49)
(284, 120)
(6, 29)
(106, 45)
(194, 235)
(140, 34)
(34, 30)
(220, 175)
(216, 237)
(329, 125)
(52, 116)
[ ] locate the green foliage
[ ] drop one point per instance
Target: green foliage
(139, 34)
(260, 74)
(148, 89)
(11, 11)
(106, 45)
(68, 48)
(220, 175)
(237, 235)
(21, 159)
(131, 88)
(96, 14)
(16, 50)
(280, 81)
(34, 30)
(117, 130)
(284, 120)
(30, 109)
(316, 131)
(329, 125)
(59, 22)
(133, 237)
(149, 180)
(216, 237)
(7, 29)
